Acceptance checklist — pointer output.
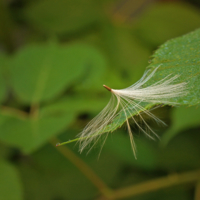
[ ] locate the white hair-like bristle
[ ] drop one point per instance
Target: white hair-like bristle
(129, 100)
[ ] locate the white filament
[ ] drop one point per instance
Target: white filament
(129, 100)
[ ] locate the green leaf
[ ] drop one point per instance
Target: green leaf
(30, 134)
(76, 104)
(60, 179)
(3, 88)
(121, 147)
(62, 16)
(181, 153)
(40, 72)
(164, 21)
(11, 187)
(182, 119)
(180, 56)
(49, 182)
(95, 70)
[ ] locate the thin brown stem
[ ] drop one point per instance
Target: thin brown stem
(84, 168)
(197, 191)
(15, 112)
(34, 111)
(157, 184)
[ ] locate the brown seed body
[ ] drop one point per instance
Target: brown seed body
(108, 88)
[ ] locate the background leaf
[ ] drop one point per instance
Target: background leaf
(75, 104)
(62, 16)
(3, 85)
(11, 186)
(182, 118)
(57, 182)
(163, 21)
(120, 145)
(181, 153)
(127, 56)
(40, 72)
(30, 134)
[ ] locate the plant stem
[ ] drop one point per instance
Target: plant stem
(84, 168)
(8, 27)
(197, 191)
(34, 111)
(13, 111)
(156, 184)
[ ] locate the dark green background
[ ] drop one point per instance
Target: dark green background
(55, 55)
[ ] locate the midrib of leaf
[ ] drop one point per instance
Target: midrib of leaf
(34, 124)
(42, 80)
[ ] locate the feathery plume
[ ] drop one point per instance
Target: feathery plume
(129, 100)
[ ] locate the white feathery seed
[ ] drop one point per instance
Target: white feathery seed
(129, 100)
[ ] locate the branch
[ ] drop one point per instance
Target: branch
(157, 184)
(5, 110)
(197, 191)
(34, 111)
(84, 168)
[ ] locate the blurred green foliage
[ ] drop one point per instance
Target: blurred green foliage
(54, 58)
